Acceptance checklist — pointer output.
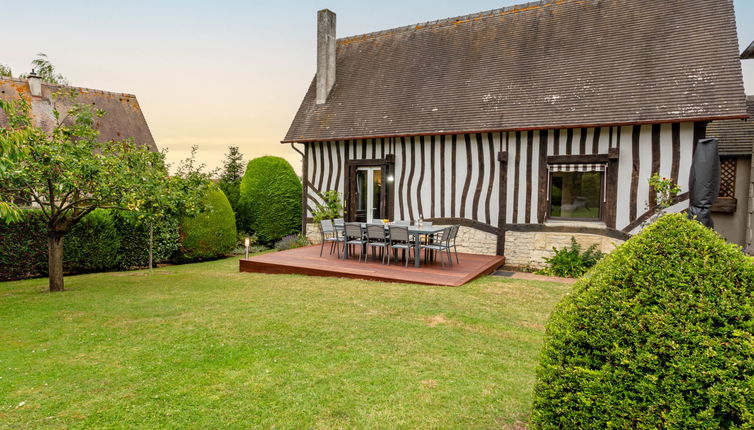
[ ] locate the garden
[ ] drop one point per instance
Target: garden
(203, 346)
(657, 334)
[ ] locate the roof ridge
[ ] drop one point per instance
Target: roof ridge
(462, 19)
(89, 90)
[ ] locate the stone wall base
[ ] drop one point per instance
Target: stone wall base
(522, 249)
(529, 249)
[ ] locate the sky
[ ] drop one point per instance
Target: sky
(217, 73)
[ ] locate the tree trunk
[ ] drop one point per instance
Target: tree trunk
(151, 243)
(55, 260)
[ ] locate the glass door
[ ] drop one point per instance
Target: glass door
(368, 194)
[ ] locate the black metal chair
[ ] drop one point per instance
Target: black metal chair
(400, 239)
(376, 239)
(354, 236)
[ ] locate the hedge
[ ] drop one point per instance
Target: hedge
(23, 247)
(270, 202)
(92, 245)
(134, 248)
(103, 240)
(212, 233)
(659, 334)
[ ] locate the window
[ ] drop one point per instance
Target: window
(727, 177)
(576, 192)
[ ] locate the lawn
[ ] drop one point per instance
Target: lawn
(203, 346)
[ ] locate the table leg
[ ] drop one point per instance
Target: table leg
(417, 250)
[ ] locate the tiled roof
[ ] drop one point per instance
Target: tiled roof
(735, 137)
(540, 65)
(123, 116)
(748, 53)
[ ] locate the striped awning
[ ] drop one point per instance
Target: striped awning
(577, 167)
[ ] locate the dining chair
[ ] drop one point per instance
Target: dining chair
(340, 224)
(441, 243)
(452, 238)
(354, 236)
(400, 239)
(376, 239)
(329, 235)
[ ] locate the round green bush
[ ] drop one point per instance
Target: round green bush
(659, 334)
(212, 233)
(270, 200)
(92, 245)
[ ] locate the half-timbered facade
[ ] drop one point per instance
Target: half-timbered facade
(526, 125)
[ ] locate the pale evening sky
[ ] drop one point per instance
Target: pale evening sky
(219, 73)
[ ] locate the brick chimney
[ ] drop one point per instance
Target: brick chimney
(35, 84)
(325, 54)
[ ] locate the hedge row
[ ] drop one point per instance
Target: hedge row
(117, 240)
(101, 241)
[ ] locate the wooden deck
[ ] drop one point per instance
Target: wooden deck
(306, 261)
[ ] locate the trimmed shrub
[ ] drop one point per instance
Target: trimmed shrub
(660, 334)
(212, 233)
(134, 246)
(92, 245)
(270, 203)
(23, 247)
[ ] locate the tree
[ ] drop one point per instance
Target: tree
(46, 70)
(173, 196)
(270, 203)
(232, 166)
(69, 173)
(5, 71)
(9, 153)
(230, 180)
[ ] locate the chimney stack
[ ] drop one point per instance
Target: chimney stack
(325, 54)
(35, 84)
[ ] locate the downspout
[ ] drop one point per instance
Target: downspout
(749, 249)
(304, 189)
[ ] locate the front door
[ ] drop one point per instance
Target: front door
(369, 194)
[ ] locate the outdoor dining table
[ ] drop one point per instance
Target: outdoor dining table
(412, 230)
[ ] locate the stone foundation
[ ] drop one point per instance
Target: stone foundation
(522, 249)
(312, 233)
(529, 249)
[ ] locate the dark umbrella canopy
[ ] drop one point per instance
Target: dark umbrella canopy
(704, 181)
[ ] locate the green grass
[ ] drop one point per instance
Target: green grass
(203, 346)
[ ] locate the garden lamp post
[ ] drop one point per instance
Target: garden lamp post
(246, 245)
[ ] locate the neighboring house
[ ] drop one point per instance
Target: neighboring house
(526, 125)
(731, 211)
(123, 117)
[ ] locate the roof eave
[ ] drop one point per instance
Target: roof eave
(748, 53)
(499, 130)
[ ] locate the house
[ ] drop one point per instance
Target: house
(526, 125)
(731, 211)
(123, 116)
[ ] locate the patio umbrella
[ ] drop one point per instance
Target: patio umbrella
(704, 181)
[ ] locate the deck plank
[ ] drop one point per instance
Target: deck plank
(306, 261)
